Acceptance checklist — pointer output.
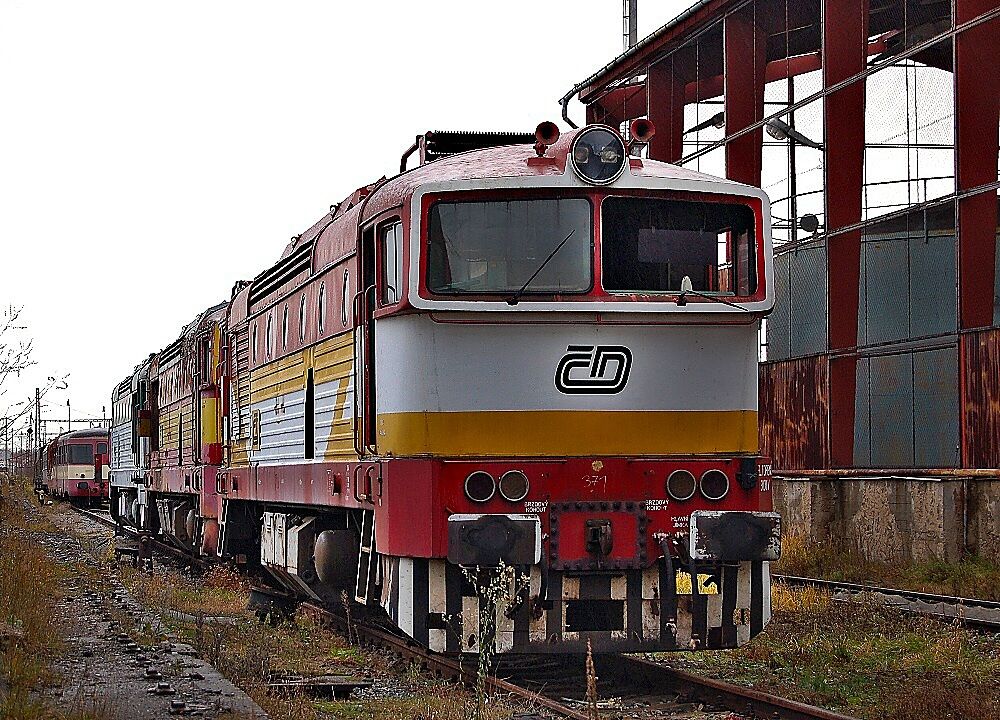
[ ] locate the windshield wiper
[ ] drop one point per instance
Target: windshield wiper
(513, 299)
(686, 289)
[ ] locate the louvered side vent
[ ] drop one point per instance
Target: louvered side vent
(286, 269)
(170, 353)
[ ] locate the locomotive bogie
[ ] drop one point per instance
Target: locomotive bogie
(311, 555)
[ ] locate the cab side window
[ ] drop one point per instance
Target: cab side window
(391, 270)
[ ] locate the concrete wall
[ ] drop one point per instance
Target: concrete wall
(984, 517)
(889, 519)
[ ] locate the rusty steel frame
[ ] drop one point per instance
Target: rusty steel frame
(845, 51)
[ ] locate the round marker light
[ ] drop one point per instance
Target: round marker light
(598, 155)
(480, 486)
(714, 484)
(514, 486)
(681, 485)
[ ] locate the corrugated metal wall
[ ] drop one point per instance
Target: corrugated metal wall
(794, 412)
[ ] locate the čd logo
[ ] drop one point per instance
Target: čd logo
(590, 370)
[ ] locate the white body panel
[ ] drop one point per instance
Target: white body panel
(453, 367)
(282, 424)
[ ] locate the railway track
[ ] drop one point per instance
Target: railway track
(545, 682)
(103, 517)
(982, 615)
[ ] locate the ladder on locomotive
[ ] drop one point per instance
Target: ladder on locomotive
(366, 557)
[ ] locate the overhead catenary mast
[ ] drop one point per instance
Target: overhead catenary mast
(630, 27)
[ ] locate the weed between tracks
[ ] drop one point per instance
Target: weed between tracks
(864, 659)
(973, 577)
(250, 652)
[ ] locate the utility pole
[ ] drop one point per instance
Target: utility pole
(69, 417)
(630, 23)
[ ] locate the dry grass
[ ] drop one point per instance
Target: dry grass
(220, 592)
(250, 652)
(30, 585)
(866, 659)
(439, 702)
(973, 577)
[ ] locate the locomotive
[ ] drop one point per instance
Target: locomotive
(527, 352)
(75, 466)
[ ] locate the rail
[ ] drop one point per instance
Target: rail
(946, 608)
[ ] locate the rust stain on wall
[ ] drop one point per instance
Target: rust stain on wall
(794, 413)
(981, 416)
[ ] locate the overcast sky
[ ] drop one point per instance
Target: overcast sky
(151, 154)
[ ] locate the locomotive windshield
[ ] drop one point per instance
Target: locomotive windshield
(495, 247)
(80, 454)
(650, 246)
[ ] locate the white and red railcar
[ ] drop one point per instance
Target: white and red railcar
(75, 466)
(542, 356)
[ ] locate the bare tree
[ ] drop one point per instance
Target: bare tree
(15, 347)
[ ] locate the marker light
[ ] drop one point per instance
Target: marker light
(480, 486)
(681, 485)
(714, 484)
(514, 485)
(598, 155)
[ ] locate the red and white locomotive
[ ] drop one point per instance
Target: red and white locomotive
(541, 356)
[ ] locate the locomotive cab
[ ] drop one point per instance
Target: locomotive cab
(559, 369)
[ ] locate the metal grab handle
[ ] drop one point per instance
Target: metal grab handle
(355, 484)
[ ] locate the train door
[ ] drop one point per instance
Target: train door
(364, 348)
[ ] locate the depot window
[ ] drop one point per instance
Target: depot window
(496, 247)
(652, 245)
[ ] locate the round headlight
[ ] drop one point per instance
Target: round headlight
(514, 485)
(681, 485)
(714, 484)
(480, 486)
(598, 155)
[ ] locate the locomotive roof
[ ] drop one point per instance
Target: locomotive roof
(88, 434)
(509, 161)
(334, 235)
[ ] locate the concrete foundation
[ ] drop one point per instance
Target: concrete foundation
(888, 519)
(984, 518)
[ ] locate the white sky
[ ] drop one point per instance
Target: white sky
(151, 154)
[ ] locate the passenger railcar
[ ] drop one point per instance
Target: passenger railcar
(540, 356)
(75, 466)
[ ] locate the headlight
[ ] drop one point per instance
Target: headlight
(514, 485)
(480, 486)
(714, 484)
(681, 485)
(598, 155)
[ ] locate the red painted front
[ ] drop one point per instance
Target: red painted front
(412, 523)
